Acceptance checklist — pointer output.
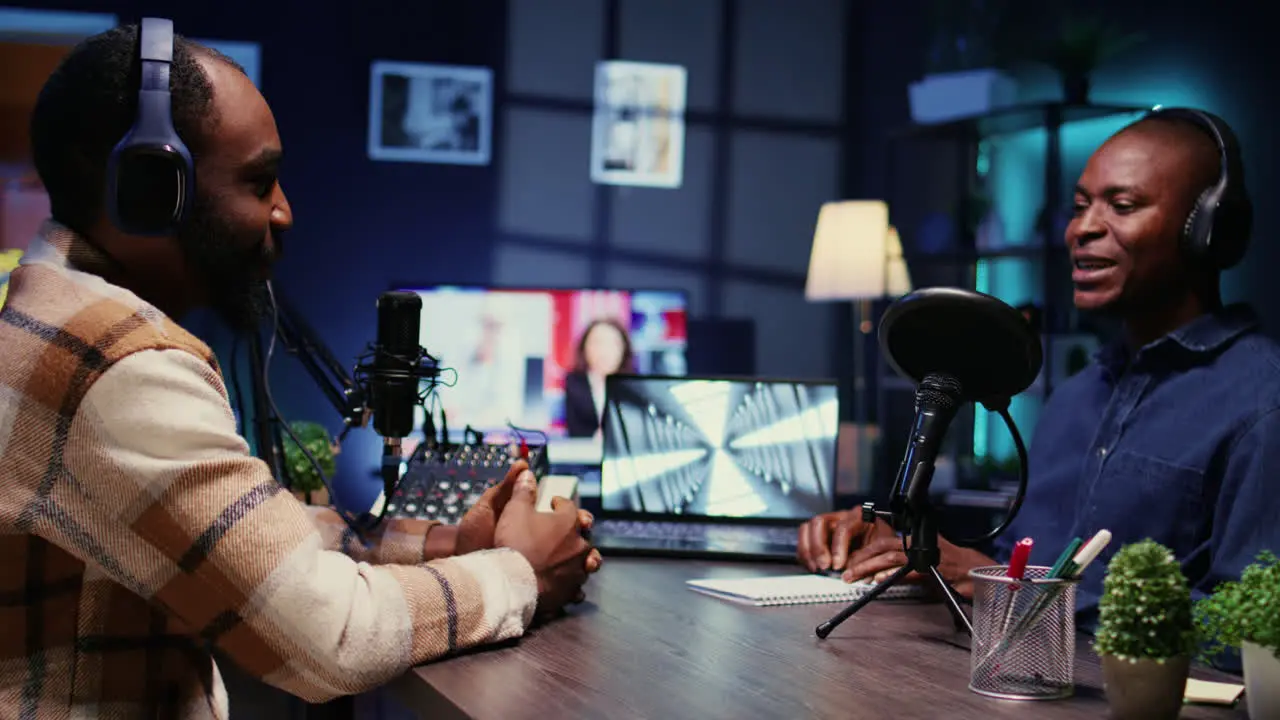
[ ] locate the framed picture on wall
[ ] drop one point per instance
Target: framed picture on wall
(430, 113)
(637, 134)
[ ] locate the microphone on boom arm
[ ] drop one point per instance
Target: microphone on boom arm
(385, 383)
(959, 346)
(392, 374)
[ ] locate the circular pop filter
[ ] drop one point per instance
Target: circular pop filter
(978, 339)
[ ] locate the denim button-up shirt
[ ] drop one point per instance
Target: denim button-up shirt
(1180, 444)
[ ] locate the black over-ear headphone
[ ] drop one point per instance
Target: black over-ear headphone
(1218, 228)
(150, 175)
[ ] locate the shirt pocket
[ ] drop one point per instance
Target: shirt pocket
(1143, 496)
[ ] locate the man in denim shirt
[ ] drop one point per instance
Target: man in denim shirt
(1173, 432)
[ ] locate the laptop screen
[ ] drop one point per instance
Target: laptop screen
(719, 447)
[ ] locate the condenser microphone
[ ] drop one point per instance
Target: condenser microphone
(938, 397)
(394, 377)
(959, 346)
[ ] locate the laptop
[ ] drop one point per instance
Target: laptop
(714, 467)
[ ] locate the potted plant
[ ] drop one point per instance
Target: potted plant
(305, 483)
(1244, 614)
(1146, 632)
(963, 77)
(1075, 47)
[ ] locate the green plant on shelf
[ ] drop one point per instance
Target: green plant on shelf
(303, 476)
(1145, 611)
(1244, 610)
(1075, 46)
(1084, 43)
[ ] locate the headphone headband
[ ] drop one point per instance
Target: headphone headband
(155, 41)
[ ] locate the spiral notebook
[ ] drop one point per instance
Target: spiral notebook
(796, 590)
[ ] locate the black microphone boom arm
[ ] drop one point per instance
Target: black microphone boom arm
(301, 341)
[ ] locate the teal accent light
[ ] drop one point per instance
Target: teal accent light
(1016, 183)
(981, 283)
(1012, 167)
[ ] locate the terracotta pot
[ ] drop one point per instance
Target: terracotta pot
(1261, 681)
(1146, 689)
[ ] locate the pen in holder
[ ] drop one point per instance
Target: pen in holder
(1024, 634)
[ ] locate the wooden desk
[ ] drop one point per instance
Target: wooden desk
(646, 647)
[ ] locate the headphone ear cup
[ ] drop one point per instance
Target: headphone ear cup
(1197, 231)
(1232, 227)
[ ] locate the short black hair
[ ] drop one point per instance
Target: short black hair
(88, 104)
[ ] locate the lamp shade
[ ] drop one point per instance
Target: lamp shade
(851, 247)
(897, 277)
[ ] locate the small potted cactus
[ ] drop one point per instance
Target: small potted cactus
(1146, 633)
(1244, 615)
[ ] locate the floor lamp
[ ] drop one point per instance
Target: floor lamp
(857, 257)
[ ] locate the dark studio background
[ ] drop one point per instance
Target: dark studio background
(790, 105)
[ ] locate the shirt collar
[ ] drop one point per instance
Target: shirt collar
(57, 245)
(1203, 336)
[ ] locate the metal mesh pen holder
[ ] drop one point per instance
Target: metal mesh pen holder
(1024, 634)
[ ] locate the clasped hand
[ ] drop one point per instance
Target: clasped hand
(553, 543)
(874, 551)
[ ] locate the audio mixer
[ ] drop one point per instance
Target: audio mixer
(442, 482)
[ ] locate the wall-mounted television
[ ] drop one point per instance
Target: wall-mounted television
(530, 357)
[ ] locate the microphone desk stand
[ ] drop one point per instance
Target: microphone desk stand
(923, 556)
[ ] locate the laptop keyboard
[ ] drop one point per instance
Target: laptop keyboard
(698, 531)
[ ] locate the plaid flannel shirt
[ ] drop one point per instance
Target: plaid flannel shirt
(137, 533)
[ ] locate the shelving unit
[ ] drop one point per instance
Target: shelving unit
(959, 265)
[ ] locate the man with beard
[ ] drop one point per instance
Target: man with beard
(137, 533)
(1173, 432)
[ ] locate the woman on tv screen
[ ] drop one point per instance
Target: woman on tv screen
(603, 349)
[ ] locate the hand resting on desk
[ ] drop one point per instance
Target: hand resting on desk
(873, 551)
(476, 529)
(479, 530)
(551, 542)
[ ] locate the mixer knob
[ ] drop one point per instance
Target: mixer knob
(411, 508)
(430, 508)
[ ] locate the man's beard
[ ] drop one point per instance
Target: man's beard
(229, 261)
